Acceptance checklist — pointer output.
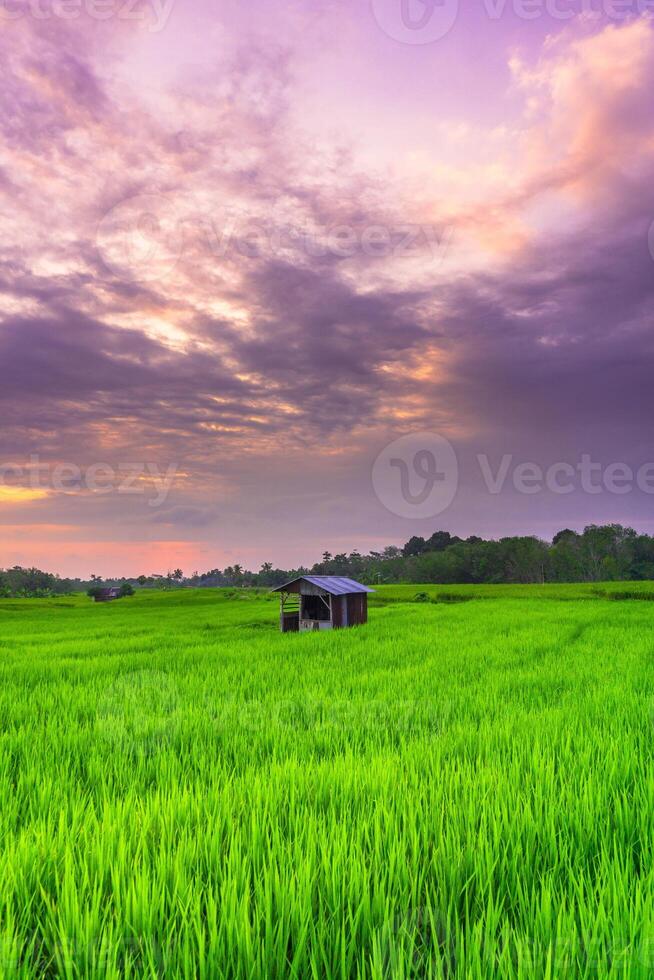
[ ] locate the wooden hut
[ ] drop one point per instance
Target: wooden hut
(322, 602)
(107, 594)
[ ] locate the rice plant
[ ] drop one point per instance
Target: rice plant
(458, 789)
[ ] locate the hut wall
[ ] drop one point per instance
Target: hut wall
(357, 609)
(308, 588)
(338, 603)
(290, 622)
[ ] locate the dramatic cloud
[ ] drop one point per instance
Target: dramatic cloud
(201, 278)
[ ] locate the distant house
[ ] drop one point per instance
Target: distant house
(322, 602)
(107, 594)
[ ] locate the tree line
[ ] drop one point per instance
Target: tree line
(599, 553)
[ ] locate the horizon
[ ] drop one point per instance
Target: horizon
(321, 277)
(307, 565)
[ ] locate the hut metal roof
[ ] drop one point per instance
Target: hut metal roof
(333, 584)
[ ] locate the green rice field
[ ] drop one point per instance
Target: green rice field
(462, 788)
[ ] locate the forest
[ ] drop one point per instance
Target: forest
(599, 553)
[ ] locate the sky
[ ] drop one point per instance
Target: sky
(285, 277)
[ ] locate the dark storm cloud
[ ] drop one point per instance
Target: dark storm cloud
(322, 343)
(565, 344)
(540, 351)
(73, 373)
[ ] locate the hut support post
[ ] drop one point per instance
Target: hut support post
(328, 603)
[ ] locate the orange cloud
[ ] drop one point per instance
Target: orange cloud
(20, 495)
